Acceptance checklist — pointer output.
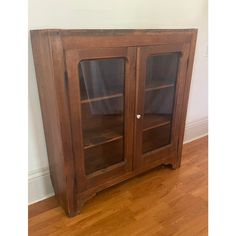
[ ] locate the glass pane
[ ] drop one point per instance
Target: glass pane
(159, 100)
(102, 108)
(99, 78)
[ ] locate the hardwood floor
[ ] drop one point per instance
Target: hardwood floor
(160, 202)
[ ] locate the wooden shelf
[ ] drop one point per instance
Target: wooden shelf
(93, 138)
(117, 95)
(101, 98)
(154, 121)
(159, 87)
(96, 137)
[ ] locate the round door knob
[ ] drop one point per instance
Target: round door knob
(138, 116)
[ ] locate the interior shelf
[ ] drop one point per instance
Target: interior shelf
(152, 88)
(151, 121)
(117, 95)
(97, 137)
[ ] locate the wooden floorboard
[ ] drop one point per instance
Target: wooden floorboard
(161, 202)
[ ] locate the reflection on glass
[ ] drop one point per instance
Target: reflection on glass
(102, 109)
(100, 78)
(159, 100)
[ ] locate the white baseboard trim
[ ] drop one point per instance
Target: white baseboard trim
(39, 185)
(195, 130)
(39, 182)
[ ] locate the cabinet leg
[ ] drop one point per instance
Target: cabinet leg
(73, 213)
(80, 203)
(176, 164)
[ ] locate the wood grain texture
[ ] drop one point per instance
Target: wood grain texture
(73, 57)
(57, 54)
(160, 202)
(123, 38)
(49, 67)
(50, 112)
(182, 121)
(143, 54)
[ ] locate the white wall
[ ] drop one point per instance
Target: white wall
(130, 14)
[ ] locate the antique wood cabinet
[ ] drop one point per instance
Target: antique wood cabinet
(113, 104)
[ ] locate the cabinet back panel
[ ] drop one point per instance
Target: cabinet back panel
(156, 138)
(103, 156)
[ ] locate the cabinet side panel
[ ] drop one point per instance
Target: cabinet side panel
(186, 97)
(61, 86)
(49, 108)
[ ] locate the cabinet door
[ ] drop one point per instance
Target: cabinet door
(161, 78)
(101, 98)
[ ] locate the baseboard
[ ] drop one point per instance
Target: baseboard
(39, 182)
(195, 130)
(39, 185)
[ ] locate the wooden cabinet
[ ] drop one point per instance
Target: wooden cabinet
(113, 103)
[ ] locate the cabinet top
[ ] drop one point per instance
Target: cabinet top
(113, 31)
(94, 38)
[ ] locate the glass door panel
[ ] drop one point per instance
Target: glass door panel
(102, 111)
(101, 78)
(160, 86)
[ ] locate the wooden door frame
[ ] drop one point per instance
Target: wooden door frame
(167, 152)
(73, 58)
